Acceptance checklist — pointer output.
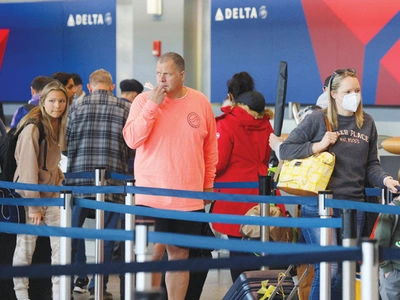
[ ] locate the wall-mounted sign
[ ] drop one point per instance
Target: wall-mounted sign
(315, 37)
(47, 37)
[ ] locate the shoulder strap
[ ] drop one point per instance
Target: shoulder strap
(39, 125)
(42, 137)
(29, 106)
(328, 128)
(42, 134)
(328, 125)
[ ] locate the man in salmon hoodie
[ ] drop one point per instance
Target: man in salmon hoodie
(172, 127)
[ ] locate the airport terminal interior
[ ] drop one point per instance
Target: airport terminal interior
(217, 38)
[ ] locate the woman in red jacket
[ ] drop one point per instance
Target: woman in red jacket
(243, 132)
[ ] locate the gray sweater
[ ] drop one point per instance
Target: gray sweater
(356, 153)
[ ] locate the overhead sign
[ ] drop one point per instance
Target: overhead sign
(315, 37)
(47, 37)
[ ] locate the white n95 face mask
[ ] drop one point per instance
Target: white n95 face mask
(351, 101)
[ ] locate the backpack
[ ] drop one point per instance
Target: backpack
(276, 233)
(11, 213)
(29, 106)
(8, 165)
(395, 223)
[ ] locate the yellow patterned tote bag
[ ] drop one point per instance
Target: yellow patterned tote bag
(307, 176)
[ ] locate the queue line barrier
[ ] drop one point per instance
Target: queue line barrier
(198, 195)
(348, 204)
(188, 216)
(218, 185)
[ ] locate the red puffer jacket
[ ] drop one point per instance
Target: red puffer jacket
(243, 154)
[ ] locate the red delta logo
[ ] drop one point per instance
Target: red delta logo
(3, 43)
(358, 34)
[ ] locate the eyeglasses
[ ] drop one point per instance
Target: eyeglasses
(340, 72)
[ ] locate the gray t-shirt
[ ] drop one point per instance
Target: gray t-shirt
(356, 153)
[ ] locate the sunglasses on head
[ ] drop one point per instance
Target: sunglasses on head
(340, 72)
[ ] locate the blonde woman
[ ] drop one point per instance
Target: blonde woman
(39, 166)
(354, 142)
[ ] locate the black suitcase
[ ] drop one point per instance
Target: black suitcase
(247, 285)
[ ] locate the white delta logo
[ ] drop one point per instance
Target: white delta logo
(89, 19)
(240, 13)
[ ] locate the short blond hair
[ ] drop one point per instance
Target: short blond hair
(100, 76)
(178, 60)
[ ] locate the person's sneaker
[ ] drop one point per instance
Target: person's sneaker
(106, 295)
(81, 285)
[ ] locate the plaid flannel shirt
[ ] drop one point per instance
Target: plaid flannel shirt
(94, 139)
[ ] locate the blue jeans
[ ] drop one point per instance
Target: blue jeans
(111, 220)
(81, 255)
(312, 236)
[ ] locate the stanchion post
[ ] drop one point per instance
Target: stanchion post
(326, 240)
(99, 176)
(369, 270)
(129, 245)
(383, 196)
(144, 251)
(265, 186)
(388, 196)
(349, 237)
(65, 244)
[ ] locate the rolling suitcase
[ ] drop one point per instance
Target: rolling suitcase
(247, 285)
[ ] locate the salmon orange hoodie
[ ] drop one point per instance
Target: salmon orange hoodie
(176, 147)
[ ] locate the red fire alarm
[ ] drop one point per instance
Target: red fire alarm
(156, 48)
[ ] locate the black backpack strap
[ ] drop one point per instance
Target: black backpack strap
(42, 134)
(29, 106)
(45, 156)
(42, 137)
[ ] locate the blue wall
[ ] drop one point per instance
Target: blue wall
(47, 37)
(315, 37)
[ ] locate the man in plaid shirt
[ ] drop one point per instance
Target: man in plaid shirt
(94, 139)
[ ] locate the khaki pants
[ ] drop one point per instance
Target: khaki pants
(26, 247)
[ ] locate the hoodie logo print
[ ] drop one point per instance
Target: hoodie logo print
(193, 120)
